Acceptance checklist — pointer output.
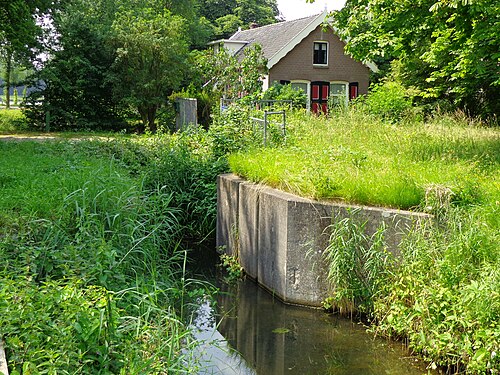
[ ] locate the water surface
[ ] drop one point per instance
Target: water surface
(250, 332)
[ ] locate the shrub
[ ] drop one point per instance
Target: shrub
(388, 100)
(286, 92)
(12, 120)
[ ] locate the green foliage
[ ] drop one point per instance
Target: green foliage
(206, 103)
(357, 263)
(76, 91)
(358, 159)
(443, 294)
(12, 121)
(232, 267)
(92, 258)
(228, 15)
(232, 131)
(229, 77)
(286, 92)
(151, 53)
(446, 49)
(388, 100)
(21, 35)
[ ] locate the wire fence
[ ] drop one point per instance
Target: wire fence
(267, 124)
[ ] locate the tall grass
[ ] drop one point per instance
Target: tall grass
(92, 243)
(356, 158)
(442, 294)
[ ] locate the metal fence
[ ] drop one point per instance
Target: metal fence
(273, 104)
(265, 122)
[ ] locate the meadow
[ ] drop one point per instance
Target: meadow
(95, 238)
(357, 158)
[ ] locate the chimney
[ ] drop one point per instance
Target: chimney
(254, 25)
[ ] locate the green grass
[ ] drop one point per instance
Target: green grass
(92, 239)
(441, 293)
(358, 159)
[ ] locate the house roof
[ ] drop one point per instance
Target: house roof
(280, 38)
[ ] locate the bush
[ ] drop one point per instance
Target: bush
(443, 294)
(388, 100)
(286, 92)
(12, 120)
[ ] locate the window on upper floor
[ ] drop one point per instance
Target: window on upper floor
(320, 56)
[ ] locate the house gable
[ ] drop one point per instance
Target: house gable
(297, 64)
(278, 39)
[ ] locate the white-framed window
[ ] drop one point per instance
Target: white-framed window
(320, 53)
(306, 87)
(339, 93)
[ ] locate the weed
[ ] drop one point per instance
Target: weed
(357, 263)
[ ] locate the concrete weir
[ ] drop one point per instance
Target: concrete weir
(279, 238)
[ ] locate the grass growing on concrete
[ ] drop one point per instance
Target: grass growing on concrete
(441, 295)
(358, 159)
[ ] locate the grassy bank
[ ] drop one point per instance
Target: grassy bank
(360, 159)
(441, 295)
(92, 247)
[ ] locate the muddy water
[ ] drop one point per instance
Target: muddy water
(249, 332)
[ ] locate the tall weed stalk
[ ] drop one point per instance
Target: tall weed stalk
(357, 264)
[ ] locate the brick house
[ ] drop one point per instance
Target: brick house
(306, 55)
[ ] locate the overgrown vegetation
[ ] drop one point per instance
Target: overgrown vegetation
(357, 158)
(12, 121)
(440, 294)
(451, 58)
(132, 205)
(92, 246)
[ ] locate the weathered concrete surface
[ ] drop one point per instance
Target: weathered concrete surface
(187, 113)
(3, 361)
(279, 238)
(227, 212)
(248, 227)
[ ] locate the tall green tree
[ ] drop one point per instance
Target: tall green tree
(229, 77)
(228, 15)
(151, 62)
(20, 33)
(447, 49)
(76, 92)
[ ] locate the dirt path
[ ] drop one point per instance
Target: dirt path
(20, 138)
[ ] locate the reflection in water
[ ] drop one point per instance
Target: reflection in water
(214, 355)
(274, 339)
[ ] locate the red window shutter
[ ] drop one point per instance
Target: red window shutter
(324, 93)
(315, 92)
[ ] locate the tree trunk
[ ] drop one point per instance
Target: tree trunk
(152, 118)
(8, 73)
(148, 117)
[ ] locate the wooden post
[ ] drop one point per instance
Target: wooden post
(3, 361)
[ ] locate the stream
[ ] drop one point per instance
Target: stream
(247, 331)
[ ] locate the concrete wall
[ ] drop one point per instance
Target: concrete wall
(280, 238)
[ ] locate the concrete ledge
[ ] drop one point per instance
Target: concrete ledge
(279, 238)
(3, 361)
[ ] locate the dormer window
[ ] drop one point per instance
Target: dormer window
(320, 56)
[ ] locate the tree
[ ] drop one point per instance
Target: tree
(76, 89)
(228, 15)
(230, 77)
(447, 49)
(151, 61)
(20, 32)
(260, 12)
